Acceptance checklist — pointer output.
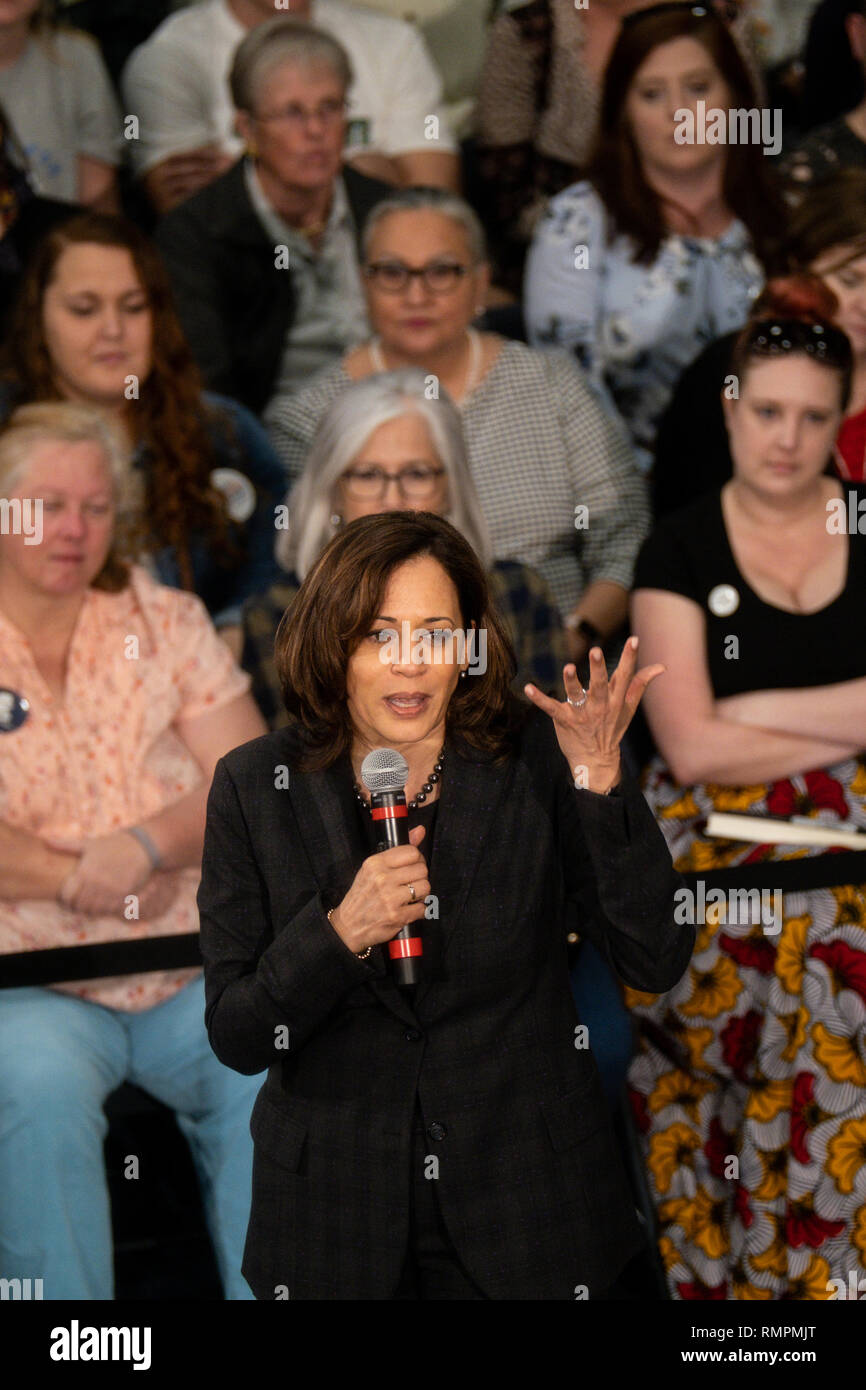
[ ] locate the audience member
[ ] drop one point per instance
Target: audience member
(832, 78)
(24, 217)
(752, 598)
(95, 323)
(381, 431)
(108, 753)
(265, 261)
(841, 142)
(826, 236)
(176, 83)
(555, 474)
(538, 101)
(58, 95)
(637, 267)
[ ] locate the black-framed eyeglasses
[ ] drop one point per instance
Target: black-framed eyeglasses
(438, 277)
(416, 481)
(775, 337)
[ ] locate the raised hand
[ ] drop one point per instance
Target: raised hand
(590, 724)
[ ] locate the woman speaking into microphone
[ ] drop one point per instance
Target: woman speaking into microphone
(448, 1141)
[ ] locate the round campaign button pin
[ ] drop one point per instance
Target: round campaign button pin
(723, 600)
(238, 491)
(14, 709)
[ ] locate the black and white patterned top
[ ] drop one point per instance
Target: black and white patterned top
(540, 447)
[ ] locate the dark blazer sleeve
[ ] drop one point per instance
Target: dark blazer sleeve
(255, 981)
(620, 885)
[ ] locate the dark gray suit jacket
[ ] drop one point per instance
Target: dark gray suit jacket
(235, 305)
(530, 1183)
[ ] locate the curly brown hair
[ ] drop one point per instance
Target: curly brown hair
(169, 419)
(332, 613)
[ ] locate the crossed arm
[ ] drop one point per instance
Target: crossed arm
(744, 739)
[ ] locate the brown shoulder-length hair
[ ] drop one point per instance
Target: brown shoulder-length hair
(169, 418)
(614, 167)
(335, 608)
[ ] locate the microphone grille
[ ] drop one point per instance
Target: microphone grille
(384, 770)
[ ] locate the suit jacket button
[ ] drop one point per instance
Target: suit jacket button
(412, 1035)
(437, 1131)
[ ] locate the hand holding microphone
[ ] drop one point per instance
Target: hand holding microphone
(377, 906)
(390, 887)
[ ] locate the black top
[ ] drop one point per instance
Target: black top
(689, 553)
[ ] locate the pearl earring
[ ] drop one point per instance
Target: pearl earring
(336, 520)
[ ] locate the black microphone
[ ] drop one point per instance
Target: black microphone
(384, 773)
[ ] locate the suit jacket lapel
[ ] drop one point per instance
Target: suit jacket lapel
(471, 793)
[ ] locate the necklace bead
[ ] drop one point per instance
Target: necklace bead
(425, 791)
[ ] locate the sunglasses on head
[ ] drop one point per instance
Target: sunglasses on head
(774, 337)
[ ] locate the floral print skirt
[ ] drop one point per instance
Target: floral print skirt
(749, 1082)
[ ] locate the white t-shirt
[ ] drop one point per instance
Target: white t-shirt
(177, 83)
(61, 104)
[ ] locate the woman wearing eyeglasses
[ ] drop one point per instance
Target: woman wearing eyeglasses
(264, 261)
(657, 250)
(384, 445)
(555, 475)
(750, 1086)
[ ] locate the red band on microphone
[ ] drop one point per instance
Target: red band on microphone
(389, 812)
(399, 949)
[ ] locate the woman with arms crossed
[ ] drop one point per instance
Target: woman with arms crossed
(480, 1078)
(753, 599)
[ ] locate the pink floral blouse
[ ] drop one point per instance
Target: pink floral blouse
(109, 756)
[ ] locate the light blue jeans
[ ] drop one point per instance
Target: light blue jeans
(59, 1059)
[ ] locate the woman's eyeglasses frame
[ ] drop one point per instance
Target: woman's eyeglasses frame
(375, 271)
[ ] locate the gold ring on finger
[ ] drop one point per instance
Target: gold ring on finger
(412, 897)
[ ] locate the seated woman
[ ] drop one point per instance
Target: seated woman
(657, 251)
(555, 476)
(383, 430)
(753, 599)
(117, 700)
(827, 238)
(95, 323)
(513, 840)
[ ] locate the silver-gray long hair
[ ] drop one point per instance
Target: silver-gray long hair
(343, 431)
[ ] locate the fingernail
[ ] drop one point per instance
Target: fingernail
(633, 642)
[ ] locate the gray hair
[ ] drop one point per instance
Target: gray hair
(343, 431)
(64, 422)
(278, 41)
(430, 200)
